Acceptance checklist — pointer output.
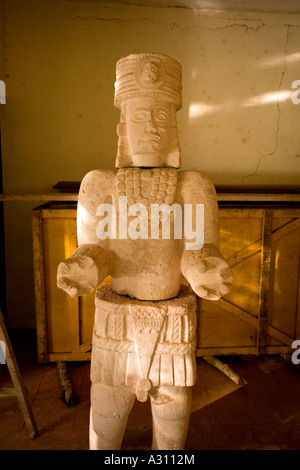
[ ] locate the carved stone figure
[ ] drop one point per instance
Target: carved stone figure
(146, 225)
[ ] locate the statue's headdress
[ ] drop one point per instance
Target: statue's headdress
(148, 74)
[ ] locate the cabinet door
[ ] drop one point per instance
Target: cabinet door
(229, 325)
(64, 324)
(261, 313)
(284, 298)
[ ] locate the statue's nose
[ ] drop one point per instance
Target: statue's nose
(149, 126)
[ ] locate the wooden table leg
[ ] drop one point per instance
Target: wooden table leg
(19, 389)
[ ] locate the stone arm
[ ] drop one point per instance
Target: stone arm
(204, 268)
(89, 264)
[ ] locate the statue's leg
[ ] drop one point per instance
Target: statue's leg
(170, 414)
(110, 407)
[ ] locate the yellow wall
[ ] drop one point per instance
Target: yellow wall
(238, 123)
(2, 74)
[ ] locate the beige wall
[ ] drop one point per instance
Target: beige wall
(238, 123)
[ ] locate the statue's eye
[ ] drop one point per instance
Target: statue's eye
(139, 116)
(160, 115)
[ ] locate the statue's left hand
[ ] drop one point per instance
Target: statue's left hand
(77, 275)
(210, 277)
(83, 270)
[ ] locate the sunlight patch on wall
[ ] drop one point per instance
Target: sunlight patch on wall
(199, 108)
(278, 59)
(267, 98)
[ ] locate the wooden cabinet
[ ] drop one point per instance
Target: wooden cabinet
(64, 324)
(259, 316)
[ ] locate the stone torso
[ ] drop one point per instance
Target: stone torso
(147, 269)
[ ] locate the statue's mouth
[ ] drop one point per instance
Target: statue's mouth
(149, 138)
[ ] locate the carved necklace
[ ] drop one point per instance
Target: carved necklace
(129, 183)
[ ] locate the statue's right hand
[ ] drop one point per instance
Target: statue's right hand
(77, 275)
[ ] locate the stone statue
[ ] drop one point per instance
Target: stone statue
(146, 225)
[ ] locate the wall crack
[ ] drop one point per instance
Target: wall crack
(173, 24)
(261, 158)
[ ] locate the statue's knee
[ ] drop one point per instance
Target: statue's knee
(111, 402)
(171, 403)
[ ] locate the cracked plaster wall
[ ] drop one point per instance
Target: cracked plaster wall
(238, 123)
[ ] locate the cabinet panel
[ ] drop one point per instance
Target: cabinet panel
(231, 322)
(284, 287)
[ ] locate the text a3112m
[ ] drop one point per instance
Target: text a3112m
(175, 459)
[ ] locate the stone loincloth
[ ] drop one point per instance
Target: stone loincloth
(135, 339)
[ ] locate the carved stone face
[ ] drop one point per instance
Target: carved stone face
(149, 124)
